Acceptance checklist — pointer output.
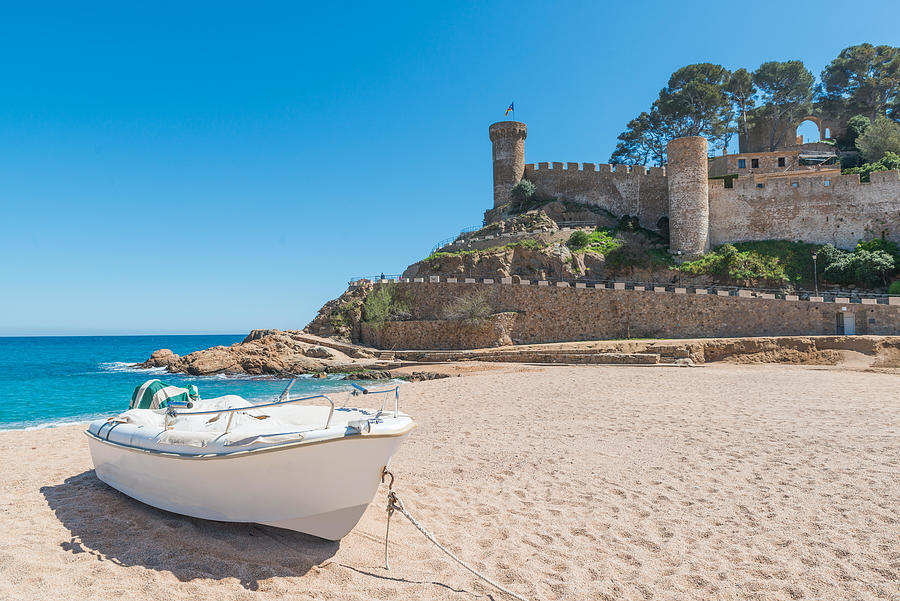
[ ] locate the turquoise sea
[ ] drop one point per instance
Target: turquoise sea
(56, 380)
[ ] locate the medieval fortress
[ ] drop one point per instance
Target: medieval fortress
(777, 195)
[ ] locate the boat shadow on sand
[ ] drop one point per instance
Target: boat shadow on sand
(114, 527)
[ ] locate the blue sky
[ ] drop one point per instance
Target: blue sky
(191, 167)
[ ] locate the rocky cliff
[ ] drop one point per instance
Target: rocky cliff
(270, 352)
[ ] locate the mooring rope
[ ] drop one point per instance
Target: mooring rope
(395, 504)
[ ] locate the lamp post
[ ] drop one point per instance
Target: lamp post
(815, 273)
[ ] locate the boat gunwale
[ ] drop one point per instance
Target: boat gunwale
(247, 452)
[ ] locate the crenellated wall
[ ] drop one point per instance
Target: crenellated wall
(621, 189)
(821, 209)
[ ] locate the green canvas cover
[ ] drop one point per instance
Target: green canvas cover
(154, 394)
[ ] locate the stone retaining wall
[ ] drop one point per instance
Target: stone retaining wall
(434, 333)
(559, 313)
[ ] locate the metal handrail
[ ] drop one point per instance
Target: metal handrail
(233, 410)
(395, 390)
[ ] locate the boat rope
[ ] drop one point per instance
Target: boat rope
(394, 503)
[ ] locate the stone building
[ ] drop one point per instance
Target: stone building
(770, 201)
(776, 163)
(761, 136)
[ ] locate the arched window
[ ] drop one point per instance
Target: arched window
(809, 130)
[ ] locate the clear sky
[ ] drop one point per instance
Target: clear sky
(187, 167)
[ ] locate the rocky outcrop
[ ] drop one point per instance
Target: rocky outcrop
(340, 318)
(263, 352)
(555, 261)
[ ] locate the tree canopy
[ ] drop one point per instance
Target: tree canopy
(864, 80)
(785, 90)
(706, 99)
(881, 137)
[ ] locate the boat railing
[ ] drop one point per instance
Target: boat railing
(396, 390)
(232, 410)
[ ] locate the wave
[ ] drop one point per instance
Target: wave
(124, 366)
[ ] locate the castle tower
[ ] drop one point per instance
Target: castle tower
(688, 175)
(508, 140)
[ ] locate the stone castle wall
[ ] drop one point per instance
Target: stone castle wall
(621, 190)
(508, 142)
(688, 196)
(819, 208)
(560, 314)
(835, 209)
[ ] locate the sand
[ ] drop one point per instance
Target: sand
(715, 482)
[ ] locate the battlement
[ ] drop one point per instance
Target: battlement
(638, 191)
(821, 208)
(507, 129)
(805, 184)
(602, 168)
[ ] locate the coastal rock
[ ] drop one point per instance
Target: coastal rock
(319, 352)
(369, 375)
(257, 334)
(421, 376)
(340, 318)
(262, 352)
(160, 358)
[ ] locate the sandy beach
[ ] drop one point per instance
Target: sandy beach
(714, 482)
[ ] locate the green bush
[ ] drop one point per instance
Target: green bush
(522, 195)
(882, 136)
(888, 162)
(746, 266)
(872, 268)
(895, 287)
(381, 305)
(627, 223)
(869, 268)
(829, 254)
(578, 240)
(876, 244)
(856, 127)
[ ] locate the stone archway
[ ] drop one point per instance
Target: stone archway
(823, 130)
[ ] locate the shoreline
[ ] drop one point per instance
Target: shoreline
(731, 481)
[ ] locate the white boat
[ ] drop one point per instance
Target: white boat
(312, 469)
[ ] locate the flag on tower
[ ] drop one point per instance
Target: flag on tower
(511, 108)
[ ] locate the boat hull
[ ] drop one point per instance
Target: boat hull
(320, 488)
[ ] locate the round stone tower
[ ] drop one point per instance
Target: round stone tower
(508, 139)
(688, 175)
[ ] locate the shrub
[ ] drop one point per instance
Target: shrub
(882, 136)
(627, 223)
(751, 266)
(840, 270)
(890, 161)
(895, 287)
(471, 307)
(861, 267)
(579, 239)
(871, 268)
(829, 254)
(876, 244)
(522, 194)
(381, 306)
(856, 127)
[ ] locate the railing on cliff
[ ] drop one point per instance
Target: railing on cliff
(462, 232)
(391, 277)
(837, 296)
